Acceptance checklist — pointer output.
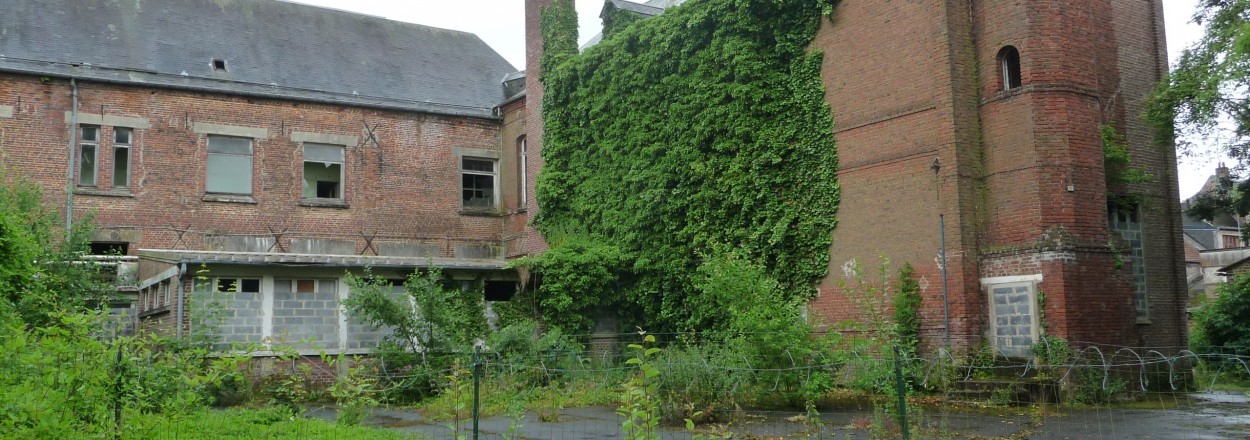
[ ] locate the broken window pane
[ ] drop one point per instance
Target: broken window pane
(478, 183)
(479, 191)
(305, 286)
(250, 285)
(322, 180)
(323, 171)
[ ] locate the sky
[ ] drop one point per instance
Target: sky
(500, 23)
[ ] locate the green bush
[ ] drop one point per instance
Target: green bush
(433, 323)
(1222, 325)
(703, 379)
(533, 360)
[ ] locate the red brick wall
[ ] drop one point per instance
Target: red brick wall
(404, 188)
(911, 81)
(531, 240)
(895, 112)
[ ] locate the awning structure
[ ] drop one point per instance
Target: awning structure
(325, 260)
(156, 265)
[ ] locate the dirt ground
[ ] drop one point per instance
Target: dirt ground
(1204, 416)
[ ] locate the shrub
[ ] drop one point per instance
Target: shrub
(1223, 324)
(703, 379)
(432, 323)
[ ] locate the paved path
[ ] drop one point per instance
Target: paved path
(1205, 416)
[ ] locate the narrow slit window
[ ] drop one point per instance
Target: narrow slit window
(88, 148)
(323, 171)
(1009, 64)
(122, 138)
(522, 163)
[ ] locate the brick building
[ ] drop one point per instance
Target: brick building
(262, 149)
(275, 146)
(980, 121)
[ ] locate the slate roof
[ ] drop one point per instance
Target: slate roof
(645, 10)
(271, 48)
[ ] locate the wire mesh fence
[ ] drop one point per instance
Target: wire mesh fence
(577, 390)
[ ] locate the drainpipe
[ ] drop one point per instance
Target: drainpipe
(181, 298)
(73, 148)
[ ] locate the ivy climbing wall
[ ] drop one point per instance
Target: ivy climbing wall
(701, 130)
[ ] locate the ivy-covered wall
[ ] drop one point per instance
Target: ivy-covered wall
(694, 133)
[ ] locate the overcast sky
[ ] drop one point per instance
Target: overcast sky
(501, 24)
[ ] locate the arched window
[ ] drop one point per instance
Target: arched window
(1009, 67)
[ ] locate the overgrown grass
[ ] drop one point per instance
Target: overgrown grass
(1205, 379)
(501, 394)
(269, 424)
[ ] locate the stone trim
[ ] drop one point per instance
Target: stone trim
(474, 152)
(231, 130)
(108, 120)
(321, 138)
(6, 111)
(1037, 278)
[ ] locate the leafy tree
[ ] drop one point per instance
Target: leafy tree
(1223, 324)
(1210, 85)
(41, 273)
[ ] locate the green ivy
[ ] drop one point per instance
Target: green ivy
(702, 128)
(578, 278)
(1119, 172)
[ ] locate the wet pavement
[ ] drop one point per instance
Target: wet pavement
(1203, 416)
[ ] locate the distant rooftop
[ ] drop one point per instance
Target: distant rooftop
(255, 47)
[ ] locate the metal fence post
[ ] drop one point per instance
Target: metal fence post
(477, 385)
(901, 388)
(117, 395)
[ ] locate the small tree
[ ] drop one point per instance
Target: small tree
(1223, 324)
(40, 271)
(429, 321)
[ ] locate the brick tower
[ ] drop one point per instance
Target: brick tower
(1007, 99)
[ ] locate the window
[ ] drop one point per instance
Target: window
(229, 165)
(1229, 241)
(1126, 221)
(121, 157)
(478, 182)
(1014, 321)
(522, 197)
(1009, 65)
(219, 64)
(87, 152)
(323, 171)
(109, 248)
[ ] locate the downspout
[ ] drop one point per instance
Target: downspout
(73, 148)
(181, 298)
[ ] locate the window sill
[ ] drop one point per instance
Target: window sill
(123, 192)
(1143, 321)
(229, 198)
(481, 212)
(324, 203)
